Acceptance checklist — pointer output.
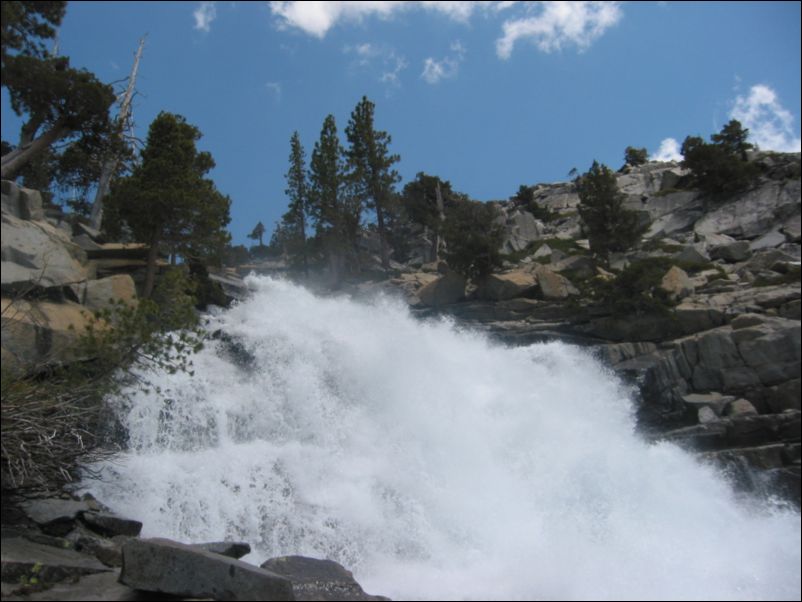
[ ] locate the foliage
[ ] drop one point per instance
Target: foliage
(609, 226)
(168, 201)
(636, 290)
(26, 26)
(732, 139)
(473, 239)
(257, 233)
(293, 222)
(721, 167)
(336, 211)
(526, 198)
(60, 102)
(635, 156)
(52, 419)
(236, 255)
(371, 166)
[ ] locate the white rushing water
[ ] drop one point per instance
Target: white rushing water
(434, 464)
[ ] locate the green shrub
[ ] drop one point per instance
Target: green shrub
(472, 239)
(52, 419)
(609, 226)
(636, 290)
(720, 168)
(635, 156)
(525, 197)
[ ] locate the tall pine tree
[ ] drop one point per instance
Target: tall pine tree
(294, 221)
(335, 214)
(371, 167)
(167, 202)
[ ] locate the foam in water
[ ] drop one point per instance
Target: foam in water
(434, 464)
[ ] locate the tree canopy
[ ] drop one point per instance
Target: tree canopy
(167, 200)
(294, 220)
(57, 101)
(371, 166)
(609, 226)
(720, 167)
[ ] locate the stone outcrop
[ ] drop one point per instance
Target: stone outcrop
(169, 567)
(62, 548)
(53, 280)
(443, 290)
(501, 287)
(37, 256)
(726, 355)
(314, 579)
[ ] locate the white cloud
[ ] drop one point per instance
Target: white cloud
(560, 24)
(316, 18)
(669, 151)
(363, 53)
(447, 68)
(378, 57)
(204, 15)
(394, 64)
(550, 25)
(275, 89)
(770, 125)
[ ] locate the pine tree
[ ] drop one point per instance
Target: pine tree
(721, 167)
(257, 233)
(370, 165)
(635, 156)
(57, 101)
(294, 220)
(732, 139)
(609, 226)
(167, 201)
(336, 214)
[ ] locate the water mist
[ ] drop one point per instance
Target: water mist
(434, 464)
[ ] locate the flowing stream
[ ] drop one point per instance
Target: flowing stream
(433, 463)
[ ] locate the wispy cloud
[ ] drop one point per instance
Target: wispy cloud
(560, 24)
(549, 25)
(275, 89)
(446, 68)
(394, 65)
(376, 57)
(669, 151)
(771, 126)
(204, 15)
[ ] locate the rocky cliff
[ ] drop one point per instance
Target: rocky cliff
(55, 273)
(718, 371)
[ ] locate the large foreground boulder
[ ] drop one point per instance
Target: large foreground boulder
(169, 567)
(314, 579)
(40, 333)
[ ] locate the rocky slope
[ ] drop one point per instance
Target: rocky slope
(718, 372)
(54, 275)
(62, 548)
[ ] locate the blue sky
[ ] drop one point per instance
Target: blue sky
(488, 95)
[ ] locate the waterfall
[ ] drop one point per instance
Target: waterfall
(433, 463)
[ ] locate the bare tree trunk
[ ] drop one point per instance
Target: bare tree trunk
(13, 161)
(110, 165)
